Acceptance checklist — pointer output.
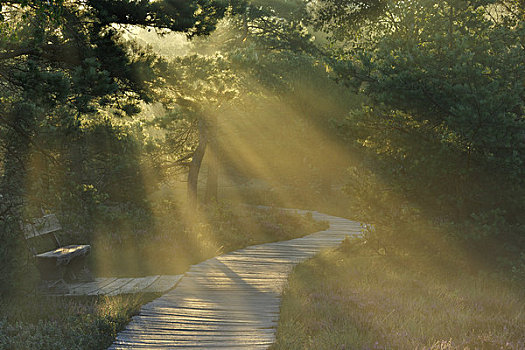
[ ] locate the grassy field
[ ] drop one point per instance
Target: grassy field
(350, 298)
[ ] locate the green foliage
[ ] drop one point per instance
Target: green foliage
(465, 75)
(62, 65)
(197, 17)
(199, 83)
(340, 17)
(13, 256)
(443, 125)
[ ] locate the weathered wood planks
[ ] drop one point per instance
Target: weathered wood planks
(114, 286)
(231, 301)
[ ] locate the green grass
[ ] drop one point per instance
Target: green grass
(38, 322)
(353, 299)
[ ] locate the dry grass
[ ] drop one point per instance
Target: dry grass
(356, 300)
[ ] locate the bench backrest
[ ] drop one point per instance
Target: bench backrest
(41, 226)
(48, 224)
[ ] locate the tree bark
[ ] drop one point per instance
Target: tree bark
(195, 165)
(212, 180)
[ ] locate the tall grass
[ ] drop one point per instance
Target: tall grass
(354, 299)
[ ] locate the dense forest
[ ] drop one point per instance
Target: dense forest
(130, 119)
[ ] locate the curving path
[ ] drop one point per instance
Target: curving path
(231, 301)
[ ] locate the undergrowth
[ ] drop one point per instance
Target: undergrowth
(173, 245)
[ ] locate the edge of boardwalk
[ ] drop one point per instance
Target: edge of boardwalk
(231, 301)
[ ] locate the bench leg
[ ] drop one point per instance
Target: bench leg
(78, 271)
(56, 275)
(48, 269)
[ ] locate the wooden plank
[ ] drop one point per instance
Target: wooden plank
(205, 328)
(87, 288)
(41, 226)
(241, 274)
(183, 336)
(270, 253)
(135, 285)
(239, 268)
(115, 285)
(245, 289)
(211, 299)
(127, 284)
(139, 284)
(197, 309)
(175, 339)
(193, 330)
(211, 327)
(220, 278)
(232, 282)
(161, 340)
(163, 284)
(262, 252)
(66, 252)
(214, 298)
(193, 346)
(207, 347)
(255, 316)
(249, 286)
(203, 322)
(206, 323)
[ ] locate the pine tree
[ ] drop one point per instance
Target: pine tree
(61, 60)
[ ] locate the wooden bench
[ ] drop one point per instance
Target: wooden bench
(61, 263)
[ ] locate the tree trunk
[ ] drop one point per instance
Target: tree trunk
(12, 190)
(212, 180)
(195, 165)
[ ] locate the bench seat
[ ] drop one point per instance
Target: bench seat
(63, 255)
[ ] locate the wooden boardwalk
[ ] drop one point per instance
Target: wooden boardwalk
(114, 285)
(231, 301)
